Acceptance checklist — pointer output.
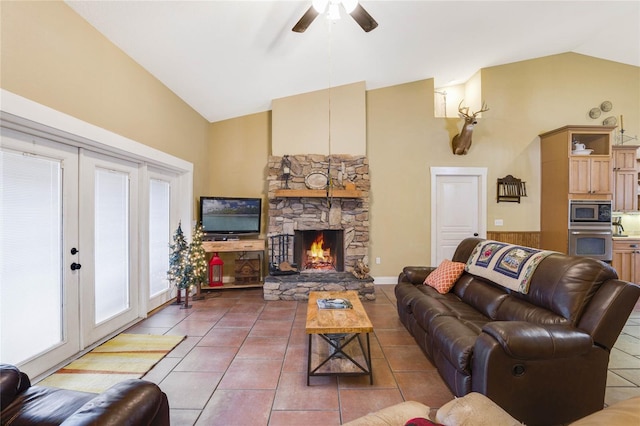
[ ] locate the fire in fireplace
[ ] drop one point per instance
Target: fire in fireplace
(320, 251)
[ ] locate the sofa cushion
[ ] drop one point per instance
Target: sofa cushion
(565, 284)
(474, 409)
(445, 276)
(481, 295)
(514, 309)
(454, 340)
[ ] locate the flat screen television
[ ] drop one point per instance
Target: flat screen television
(226, 216)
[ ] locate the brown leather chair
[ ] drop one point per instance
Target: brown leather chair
(131, 402)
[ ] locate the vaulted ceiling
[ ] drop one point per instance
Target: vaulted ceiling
(231, 58)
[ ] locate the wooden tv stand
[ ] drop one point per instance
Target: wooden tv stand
(237, 246)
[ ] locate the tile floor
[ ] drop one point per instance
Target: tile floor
(244, 362)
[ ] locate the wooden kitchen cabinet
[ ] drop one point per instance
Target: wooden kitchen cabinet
(624, 178)
(567, 176)
(626, 259)
(625, 157)
(590, 175)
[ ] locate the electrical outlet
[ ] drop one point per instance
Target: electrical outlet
(498, 222)
(377, 260)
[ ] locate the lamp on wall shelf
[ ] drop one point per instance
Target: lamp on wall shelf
(286, 170)
(510, 189)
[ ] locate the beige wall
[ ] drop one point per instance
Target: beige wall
(239, 151)
(54, 57)
(301, 123)
(525, 99)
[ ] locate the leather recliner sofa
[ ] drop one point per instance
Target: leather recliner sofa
(131, 402)
(541, 356)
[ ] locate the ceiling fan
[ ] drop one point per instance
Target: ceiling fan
(332, 7)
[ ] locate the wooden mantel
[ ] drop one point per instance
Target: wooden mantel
(318, 193)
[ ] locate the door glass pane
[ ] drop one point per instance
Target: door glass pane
(111, 243)
(30, 255)
(159, 236)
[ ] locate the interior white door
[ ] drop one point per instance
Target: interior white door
(458, 208)
(39, 325)
(109, 287)
(162, 213)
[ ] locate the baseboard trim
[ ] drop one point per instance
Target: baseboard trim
(385, 280)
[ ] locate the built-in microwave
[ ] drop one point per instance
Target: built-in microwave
(590, 212)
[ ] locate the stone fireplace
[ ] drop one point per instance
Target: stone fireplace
(338, 213)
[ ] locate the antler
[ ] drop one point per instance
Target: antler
(483, 108)
(464, 111)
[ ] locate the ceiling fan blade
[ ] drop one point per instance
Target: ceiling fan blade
(306, 20)
(363, 18)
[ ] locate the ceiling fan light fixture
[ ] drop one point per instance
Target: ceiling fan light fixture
(320, 5)
(334, 11)
(349, 5)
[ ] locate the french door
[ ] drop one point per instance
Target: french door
(39, 292)
(108, 238)
(68, 256)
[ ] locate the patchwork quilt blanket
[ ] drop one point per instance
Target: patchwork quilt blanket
(508, 265)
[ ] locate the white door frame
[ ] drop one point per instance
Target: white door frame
(481, 172)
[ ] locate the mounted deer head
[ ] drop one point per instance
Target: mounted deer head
(462, 141)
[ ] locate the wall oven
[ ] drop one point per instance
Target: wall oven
(590, 242)
(590, 231)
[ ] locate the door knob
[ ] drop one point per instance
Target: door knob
(475, 234)
(74, 250)
(75, 266)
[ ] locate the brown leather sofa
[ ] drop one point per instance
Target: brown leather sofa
(131, 402)
(541, 356)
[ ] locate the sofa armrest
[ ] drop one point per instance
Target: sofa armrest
(523, 340)
(12, 383)
(608, 311)
(131, 402)
(415, 274)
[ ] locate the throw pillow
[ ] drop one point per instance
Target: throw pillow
(420, 421)
(445, 276)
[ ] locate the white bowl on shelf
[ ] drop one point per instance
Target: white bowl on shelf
(581, 152)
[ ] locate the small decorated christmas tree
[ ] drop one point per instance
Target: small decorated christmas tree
(198, 260)
(179, 266)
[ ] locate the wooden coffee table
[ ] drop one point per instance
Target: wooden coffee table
(335, 337)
